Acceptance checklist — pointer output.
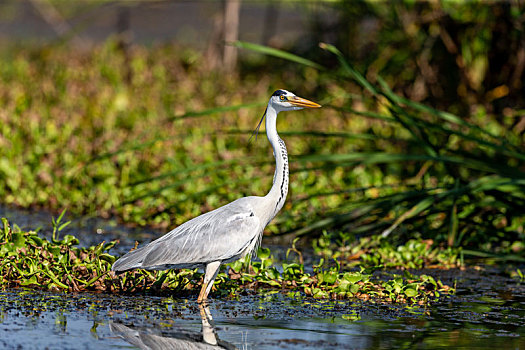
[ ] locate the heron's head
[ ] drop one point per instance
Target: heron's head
(283, 100)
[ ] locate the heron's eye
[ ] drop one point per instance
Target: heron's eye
(283, 98)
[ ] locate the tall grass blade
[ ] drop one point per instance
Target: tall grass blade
(416, 209)
(277, 53)
(349, 69)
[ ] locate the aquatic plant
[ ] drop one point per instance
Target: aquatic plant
(28, 260)
(416, 253)
(31, 261)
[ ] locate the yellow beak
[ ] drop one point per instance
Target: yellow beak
(302, 102)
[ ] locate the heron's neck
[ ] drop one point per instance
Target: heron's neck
(277, 195)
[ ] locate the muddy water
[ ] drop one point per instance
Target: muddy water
(487, 312)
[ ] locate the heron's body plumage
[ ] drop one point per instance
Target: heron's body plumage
(230, 232)
(227, 233)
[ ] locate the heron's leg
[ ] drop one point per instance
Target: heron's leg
(211, 272)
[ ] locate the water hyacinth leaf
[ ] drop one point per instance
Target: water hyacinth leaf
(290, 267)
(56, 251)
(353, 277)
(319, 293)
(343, 286)
(35, 239)
(410, 292)
(18, 239)
(351, 317)
(328, 277)
(354, 288)
(263, 253)
(30, 281)
(107, 257)
(70, 239)
(236, 265)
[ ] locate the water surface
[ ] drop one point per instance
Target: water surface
(488, 311)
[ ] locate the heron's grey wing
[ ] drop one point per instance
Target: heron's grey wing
(215, 236)
(221, 234)
(131, 260)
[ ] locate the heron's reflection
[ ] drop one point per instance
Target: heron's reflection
(145, 339)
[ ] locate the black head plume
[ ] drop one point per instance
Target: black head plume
(256, 131)
(279, 93)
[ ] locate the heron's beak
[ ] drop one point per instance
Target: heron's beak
(302, 102)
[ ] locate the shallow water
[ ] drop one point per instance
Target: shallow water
(488, 311)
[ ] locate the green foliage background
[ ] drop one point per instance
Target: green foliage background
(152, 136)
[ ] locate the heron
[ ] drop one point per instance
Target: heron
(230, 232)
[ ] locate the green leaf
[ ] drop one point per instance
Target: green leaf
(348, 68)
(29, 281)
(354, 288)
(263, 253)
(18, 239)
(70, 240)
(424, 204)
(328, 277)
(55, 250)
(352, 277)
(59, 219)
(409, 292)
(6, 229)
(277, 53)
(35, 240)
(61, 227)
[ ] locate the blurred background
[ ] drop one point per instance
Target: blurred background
(142, 110)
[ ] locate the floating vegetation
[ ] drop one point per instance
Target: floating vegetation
(28, 260)
(378, 251)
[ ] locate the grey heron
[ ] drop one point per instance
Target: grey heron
(230, 232)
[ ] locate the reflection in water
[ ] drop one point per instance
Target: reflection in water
(146, 339)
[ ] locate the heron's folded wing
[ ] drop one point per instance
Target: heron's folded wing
(218, 235)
